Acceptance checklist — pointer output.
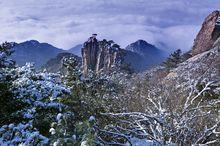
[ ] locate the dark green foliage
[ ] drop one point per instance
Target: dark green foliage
(8, 103)
(173, 60)
(6, 48)
(89, 95)
(44, 118)
(85, 131)
(186, 56)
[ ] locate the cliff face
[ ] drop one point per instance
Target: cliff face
(107, 56)
(89, 54)
(99, 55)
(208, 34)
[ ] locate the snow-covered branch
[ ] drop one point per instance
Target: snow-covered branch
(180, 125)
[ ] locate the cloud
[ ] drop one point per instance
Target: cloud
(179, 37)
(67, 23)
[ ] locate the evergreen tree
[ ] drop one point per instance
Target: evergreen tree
(90, 94)
(8, 103)
(173, 60)
(5, 52)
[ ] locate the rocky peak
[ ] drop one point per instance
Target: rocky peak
(34, 42)
(141, 47)
(99, 55)
(141, 43)
(208, 34)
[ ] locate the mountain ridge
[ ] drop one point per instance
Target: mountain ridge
(145, 55)
(34, 51)
(140, 55)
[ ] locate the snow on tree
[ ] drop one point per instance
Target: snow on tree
(5, 51)
(40, 108)
(30, 101)
(8, 103)
(40, 93)
(196, 122)
(21, 134)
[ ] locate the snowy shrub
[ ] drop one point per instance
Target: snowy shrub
(40, 92)
(62, 129)
(195, 121)
(67, 131)
(104, 109)
(21, 134)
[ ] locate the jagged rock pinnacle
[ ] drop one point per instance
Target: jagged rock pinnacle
(208, 34)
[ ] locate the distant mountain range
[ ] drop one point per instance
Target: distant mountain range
(33, 51)
(140, 54)
(76, 50)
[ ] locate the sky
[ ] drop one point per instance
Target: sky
(171, 24)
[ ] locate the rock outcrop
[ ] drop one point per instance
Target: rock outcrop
(106, 56)
(99, 55)
(208, 34)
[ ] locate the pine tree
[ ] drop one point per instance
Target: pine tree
(8, 103)
(173, 60)
(5, 52)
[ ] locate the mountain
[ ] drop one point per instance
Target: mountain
(76, 50)
(143, 48)
(105, 55)
(34, 51)
(142, 55)
(55, 64)
(193, 88)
